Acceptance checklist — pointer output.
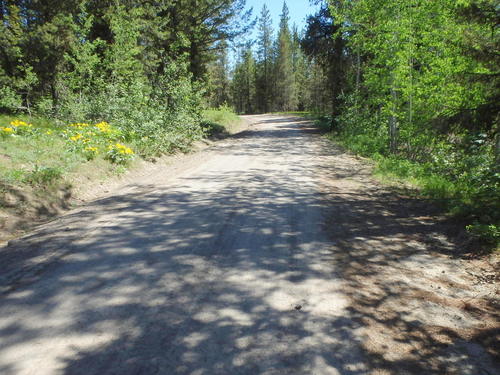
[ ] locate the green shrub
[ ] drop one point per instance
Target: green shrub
(43, 175)
(119, 154)
(486, 232)
(219, 121)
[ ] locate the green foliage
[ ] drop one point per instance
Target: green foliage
(243, 85)
(365, 144)
(430, 184)
(42, 176)
(220, 121)
(142, 67)
(10, 101)
(486, 232)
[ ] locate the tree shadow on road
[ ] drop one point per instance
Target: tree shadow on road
(207, 276)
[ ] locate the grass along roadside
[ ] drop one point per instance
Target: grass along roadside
(220, 122)
(41, 161)
(38, 152)
(471, 198)
(474, 208)
(44, 162)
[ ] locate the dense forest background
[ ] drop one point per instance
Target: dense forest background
(413, 84)
(140, 65)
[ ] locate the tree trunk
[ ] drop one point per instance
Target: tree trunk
(393, 124)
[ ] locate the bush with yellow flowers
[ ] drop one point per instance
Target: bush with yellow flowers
(90, 152)
(119, 154)
(92, 139)
(16, 127)
(6, 131)
(84, 138)
(21, 127)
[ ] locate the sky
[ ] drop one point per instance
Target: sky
(299, 10)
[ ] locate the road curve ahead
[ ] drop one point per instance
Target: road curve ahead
(221, 268)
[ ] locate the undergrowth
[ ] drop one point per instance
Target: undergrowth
(220, 121)
(461, 176)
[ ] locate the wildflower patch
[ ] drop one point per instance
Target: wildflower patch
(119, 154)
(89, 140)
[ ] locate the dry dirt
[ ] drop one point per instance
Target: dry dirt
(422, 305)
(272, 252)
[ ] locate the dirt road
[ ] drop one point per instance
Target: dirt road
(270, 253)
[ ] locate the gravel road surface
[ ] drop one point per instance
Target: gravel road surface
(256, 256)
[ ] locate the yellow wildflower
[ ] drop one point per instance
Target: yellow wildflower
(76, 137)
(79, 125)
(124, 149)
(7, 130)
(103, 127)
(121, 149)
(19, 123)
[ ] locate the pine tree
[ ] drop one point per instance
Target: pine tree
(285, 95)
(265, 61)
(199, 25)
(326, 48)
(218, 78)
(299, 69)
(243, 84)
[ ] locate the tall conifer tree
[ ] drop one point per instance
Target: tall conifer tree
(265, 60)
(285, 96)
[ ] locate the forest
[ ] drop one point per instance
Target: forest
(412, 84)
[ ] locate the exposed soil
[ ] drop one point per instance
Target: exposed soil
(424, 306)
